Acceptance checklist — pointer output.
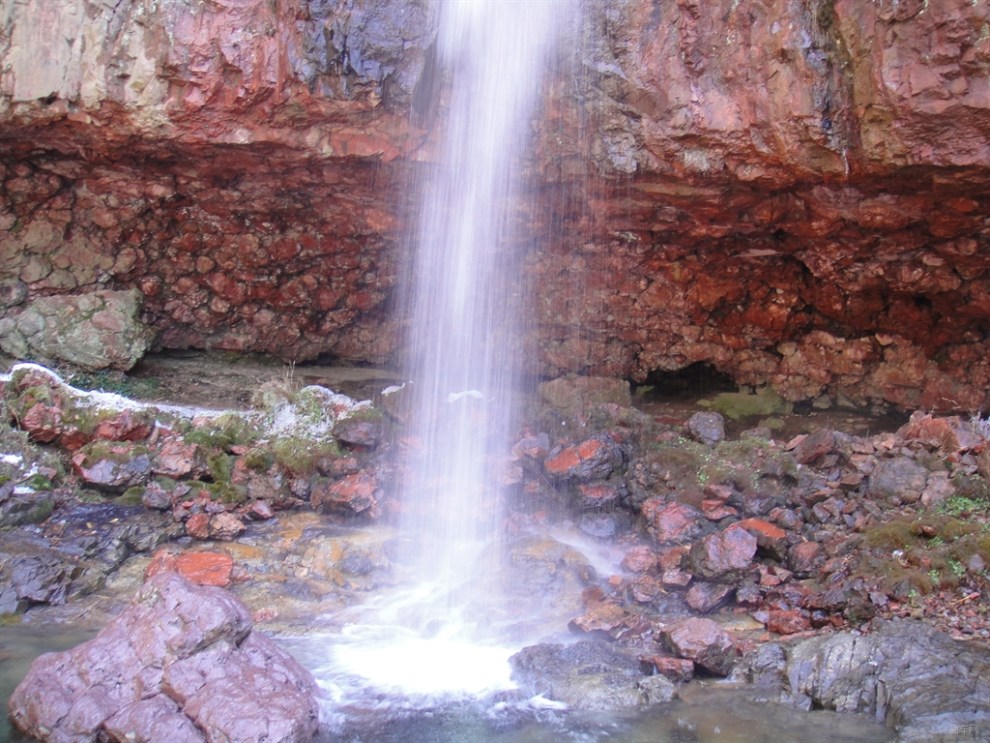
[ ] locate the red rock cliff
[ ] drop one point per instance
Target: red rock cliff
(790, 191)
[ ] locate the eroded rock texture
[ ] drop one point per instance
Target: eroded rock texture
(181, 663)
(793, 192)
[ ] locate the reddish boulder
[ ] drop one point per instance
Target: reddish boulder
(604, 617)
(770, 539)
(702, 641)
(112, 466)
(597, 495)
(198, 526)
(787, 621)
(125, 425)
(724, 556)
(182, 659)
(676, 669)
(813, 447)
(177, 459)
(804, 558)
(640, 560)
(199, 567)
(592, 459)
(671, 522)
(704, 597)
(42, 422)
(355, 494)
(225, 526)
(646, 589)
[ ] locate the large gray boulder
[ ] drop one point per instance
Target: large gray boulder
(180, 664)
(927, 686)
(588, 675)
(94, 331)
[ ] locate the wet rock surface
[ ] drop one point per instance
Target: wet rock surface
(588, 675)
(182, 659)
(712, 551)
(787, 194)
(927, 686)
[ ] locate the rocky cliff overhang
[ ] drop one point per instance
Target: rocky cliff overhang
(793, 192)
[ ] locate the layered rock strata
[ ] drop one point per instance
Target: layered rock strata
(792, 193)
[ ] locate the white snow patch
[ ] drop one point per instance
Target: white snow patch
(300, 417)
(113, 401)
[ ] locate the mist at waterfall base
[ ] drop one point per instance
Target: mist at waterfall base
(446, 633)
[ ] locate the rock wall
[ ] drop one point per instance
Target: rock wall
(793, 192)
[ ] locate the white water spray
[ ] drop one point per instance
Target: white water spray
(464, 306)
(465, 312)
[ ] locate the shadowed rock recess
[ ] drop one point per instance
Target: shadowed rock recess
(793, 193)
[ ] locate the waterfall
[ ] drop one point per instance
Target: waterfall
(464, 304)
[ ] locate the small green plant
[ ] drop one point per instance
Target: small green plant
(224, 431)
(934, 577)
(957, 568)
(38, 481)
(960, 505)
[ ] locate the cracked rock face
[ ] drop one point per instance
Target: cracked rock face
(181, 663)
(97, 330)
(794, 194)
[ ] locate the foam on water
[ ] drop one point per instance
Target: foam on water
(403, 662)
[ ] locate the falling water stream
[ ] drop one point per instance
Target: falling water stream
(439, 636)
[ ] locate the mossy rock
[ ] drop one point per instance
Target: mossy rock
(739, 405)
(747, 464)
(573, 395)
(258, 458)
(224, 431)
(302, 456)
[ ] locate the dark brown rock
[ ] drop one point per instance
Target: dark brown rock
(359, 432)
(706, 427)
(592, 459)
(704, 597)
(702, 641)
(805, 557)
(112, 466)
(671, 522)
(724, 556)
(898, 480)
